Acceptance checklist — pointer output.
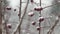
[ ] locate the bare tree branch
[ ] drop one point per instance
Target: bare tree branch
(0, 17)
(20, 14)
(52, 28)
(50, 6)
(40, 22)
(19, 26)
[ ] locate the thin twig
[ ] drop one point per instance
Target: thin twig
(0, 17)
(40, 22)
(20, 14)
(49, 6)
(23, 16)
(6, 20)
(52, 28)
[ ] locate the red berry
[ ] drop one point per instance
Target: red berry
(31, 14)
(18, 14)
(32, 1)
(38, 28)
(14, 9)
(41, 19)
(38, 9)
(59, 16)
(9, 26)
(33, 23)
(8, 8)
(1, 1)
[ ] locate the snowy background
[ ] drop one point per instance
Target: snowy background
(27, 27)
